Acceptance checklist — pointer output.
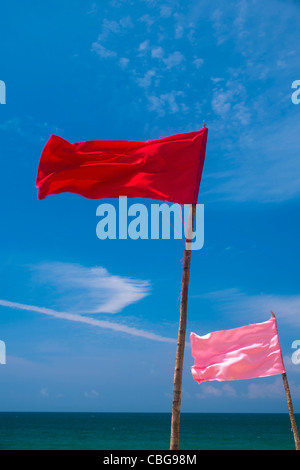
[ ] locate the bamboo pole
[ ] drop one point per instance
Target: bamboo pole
(176, 405)
(290, 406)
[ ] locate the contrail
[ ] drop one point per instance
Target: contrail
(88, 320)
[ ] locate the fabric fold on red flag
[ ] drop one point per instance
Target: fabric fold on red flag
(168, 169)
(240, 353)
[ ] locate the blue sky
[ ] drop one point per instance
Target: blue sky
(91, 325)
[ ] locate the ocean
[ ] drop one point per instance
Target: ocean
(144, 431)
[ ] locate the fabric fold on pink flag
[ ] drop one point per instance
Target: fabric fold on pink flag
(246, 352)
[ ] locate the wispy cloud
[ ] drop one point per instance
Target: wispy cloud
(198, 62)
(148, 20)
(157, 52)
(165, 11)
(103, 51)
(234, 302)
(222, 27)
(44, 392)
(167, 103)
(255, 390)
(91, 394)
(120, 328)
(109, 29)
(28, 128)
(144, 46)
(231, 99)
(263, 164)
(147, 79)
(174, 59)
(81, 289)
(266, 390)
(238, 105)
(210, 390)
(123, 62)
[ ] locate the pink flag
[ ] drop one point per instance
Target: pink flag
(240, 353)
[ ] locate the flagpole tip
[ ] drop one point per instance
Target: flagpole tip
(273, 314)
(203, 123)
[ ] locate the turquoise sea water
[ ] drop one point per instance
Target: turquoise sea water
(144, 431)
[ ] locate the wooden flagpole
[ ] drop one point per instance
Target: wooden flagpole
(174, 441)
(290, 406)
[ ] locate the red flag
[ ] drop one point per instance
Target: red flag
(167, 169)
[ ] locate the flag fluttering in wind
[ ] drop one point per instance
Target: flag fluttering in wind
(167, 169)
(240, 353)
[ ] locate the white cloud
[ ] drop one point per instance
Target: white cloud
(29, 129)
(123, 62)
(120, 328)
(231, 99)
(110, 28)
(179, 30)
(81, 290)
(146, 81)
(216, 79)
(273, 390)
(264, 153)
(220, 26)
(44, 392)
(89, 290)
(221, 102)
(198, 62)
(239, 104)
(165, 11)
(263, 160)
(174, 59)
(91, 394)
(126, 22)
(93, 9)
(157, 52)
(255, 307)
(148, 20)
(229, 390)
(266, 390)
(144, 46)
(210, 390)
(166, 102)
(102, 51)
